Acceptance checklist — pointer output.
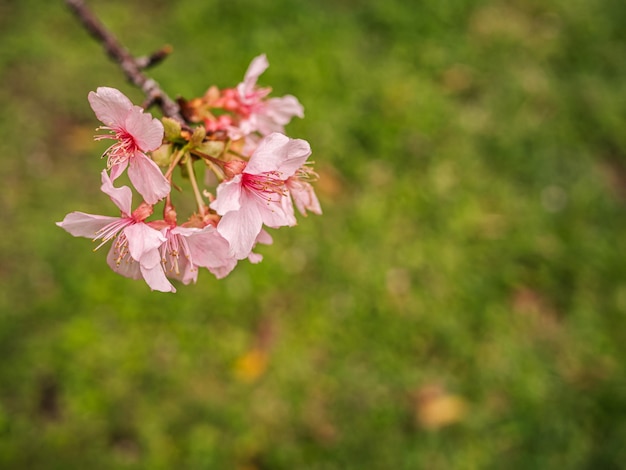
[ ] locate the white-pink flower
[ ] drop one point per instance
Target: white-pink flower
(259, 114)
(258, 193)
(134, 252)
(187, 248)
(136, 132)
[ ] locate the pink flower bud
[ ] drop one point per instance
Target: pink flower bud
(233, 168)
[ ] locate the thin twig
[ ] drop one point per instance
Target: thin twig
(131, 67)
(155, 58)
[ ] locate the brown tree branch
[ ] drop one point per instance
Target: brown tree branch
(131, 66)
(153, 59)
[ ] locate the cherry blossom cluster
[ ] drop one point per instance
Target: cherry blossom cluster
(253, 176)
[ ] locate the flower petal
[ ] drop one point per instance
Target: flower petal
(156, 279)
(121, 197)
(110, 105)
(118, 169)
(126, 267)
(297, 151)
(147, 178)
(80, 224)
(258, 65)
(264, 238)
(228, 196)
(281, 110)
(277, 213)
(268, 155)
(146, 130)
(304, 196)
(144, 243)
(240, 228)
(278, 153)
(208, 249)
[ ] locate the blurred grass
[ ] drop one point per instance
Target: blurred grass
(460, 304)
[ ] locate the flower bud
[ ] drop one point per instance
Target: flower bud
(233, 168)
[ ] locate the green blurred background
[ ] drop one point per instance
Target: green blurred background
(460, 304)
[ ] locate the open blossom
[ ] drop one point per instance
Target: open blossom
(134, 252)
(135, 133)
(257, 193)
(258, 113)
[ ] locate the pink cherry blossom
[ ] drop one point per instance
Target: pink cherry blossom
(259, 114)
(187, 248)
(136, 132)
(258, 194)
(134, 252)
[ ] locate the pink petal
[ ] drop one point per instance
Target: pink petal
(278, 153)
(121, 197)
(156, 279)
(188, 271)
(144, 243)
(118, 169)
(297, 151)
(208, 249)
(146, 130)
(126, 267)
(80, 224)
(228, 196)
(304, 197)
(265, 125)
(240, 228)
(255, 258)
(258, 65)
(283, 109)
(110, 105)
(147, 178)
(264, 238)
(268, 155)
(276, 213)
(177, 264)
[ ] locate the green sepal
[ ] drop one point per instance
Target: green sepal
(199, 133)
(213, 148)
(163, 155)
(172, 129)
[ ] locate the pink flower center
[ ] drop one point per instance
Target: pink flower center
(268, 186)
(122, 150)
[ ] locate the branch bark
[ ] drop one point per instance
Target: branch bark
(131, 66)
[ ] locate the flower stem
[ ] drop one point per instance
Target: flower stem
(175, 161)
(194, 185)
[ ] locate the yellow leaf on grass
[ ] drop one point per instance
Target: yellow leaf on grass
(251, 365)
(436, 408)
